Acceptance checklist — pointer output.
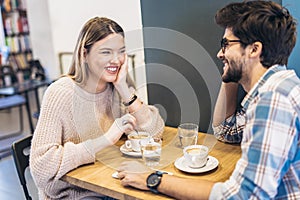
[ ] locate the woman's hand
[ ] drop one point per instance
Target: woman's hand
(120, 82)
(122, 74)
(125, 124)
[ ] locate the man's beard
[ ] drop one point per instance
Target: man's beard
(233, 74)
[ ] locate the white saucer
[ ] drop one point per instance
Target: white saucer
(128, 152)
(181, 164)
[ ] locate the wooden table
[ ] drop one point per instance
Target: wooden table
(98, 176)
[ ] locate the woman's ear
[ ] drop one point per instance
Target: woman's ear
(256, 49)
(85, 54)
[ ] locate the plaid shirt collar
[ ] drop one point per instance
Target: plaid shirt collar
(254, 90)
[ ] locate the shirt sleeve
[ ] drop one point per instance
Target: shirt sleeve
(269, 147)
(231, 129)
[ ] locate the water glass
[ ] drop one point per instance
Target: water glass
(188, 134)
(151, 152)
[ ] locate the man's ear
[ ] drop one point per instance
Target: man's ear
(256, 49)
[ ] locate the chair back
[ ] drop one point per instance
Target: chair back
(37, 70)
(20, 151)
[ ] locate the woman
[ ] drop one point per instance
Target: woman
(85, 111)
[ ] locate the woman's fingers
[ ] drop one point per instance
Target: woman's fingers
(121, 78)
(124, 66)
(126, 123)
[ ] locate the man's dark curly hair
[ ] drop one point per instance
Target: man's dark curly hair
(263, 21)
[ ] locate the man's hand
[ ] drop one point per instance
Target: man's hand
(133, 173)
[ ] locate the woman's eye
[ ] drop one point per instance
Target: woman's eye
(106, 52)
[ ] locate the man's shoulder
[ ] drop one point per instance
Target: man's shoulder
(283, 82)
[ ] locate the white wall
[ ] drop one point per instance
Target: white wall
(55, 25)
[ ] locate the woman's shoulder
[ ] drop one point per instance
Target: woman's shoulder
(64, 82)
(63, 85)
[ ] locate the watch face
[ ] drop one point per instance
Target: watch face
(153, 180)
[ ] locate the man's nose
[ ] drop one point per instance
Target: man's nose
(220, 54)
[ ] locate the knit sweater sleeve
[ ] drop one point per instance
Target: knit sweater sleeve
(147, 116)
(53, 153)
(149, 120)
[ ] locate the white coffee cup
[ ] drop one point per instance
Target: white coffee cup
(134, 140)
(196, 155)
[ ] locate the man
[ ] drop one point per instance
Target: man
(258, 39)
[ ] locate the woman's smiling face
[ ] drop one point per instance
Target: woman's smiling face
(105, 58)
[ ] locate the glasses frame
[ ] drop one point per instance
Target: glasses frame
(225, 42)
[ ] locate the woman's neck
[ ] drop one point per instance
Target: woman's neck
(94, 87)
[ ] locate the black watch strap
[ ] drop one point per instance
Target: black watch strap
(154, 180)
(131, 100)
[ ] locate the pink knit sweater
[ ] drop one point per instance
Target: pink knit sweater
(71, 124)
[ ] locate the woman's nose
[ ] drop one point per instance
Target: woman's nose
(116, 57)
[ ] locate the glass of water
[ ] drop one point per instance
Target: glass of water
(188, 134)
(151, 152)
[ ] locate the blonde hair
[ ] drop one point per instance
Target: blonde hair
(93, 30)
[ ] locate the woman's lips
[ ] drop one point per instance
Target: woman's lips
(112, 69)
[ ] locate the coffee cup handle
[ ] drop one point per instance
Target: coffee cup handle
(128, 144)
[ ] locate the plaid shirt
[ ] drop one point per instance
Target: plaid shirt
(231, 130)
(269, 167)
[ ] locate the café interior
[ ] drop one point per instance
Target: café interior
(164, 73)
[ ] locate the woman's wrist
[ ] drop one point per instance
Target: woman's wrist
(135, 105)
(131, 100)
(124, 93)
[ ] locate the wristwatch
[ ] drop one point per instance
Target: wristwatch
(154, 180)
(131, 100)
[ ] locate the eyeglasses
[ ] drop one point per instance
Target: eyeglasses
(225, 43)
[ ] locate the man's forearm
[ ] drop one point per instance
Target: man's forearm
(226, 103)
(181, 188)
